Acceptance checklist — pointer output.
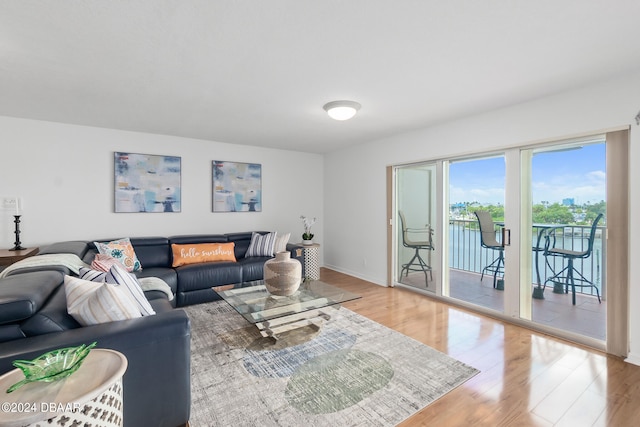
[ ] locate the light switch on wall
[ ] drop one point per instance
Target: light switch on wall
(12, 203)
(9, 202)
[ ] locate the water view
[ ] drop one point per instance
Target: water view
(567, 189)
(562, 189)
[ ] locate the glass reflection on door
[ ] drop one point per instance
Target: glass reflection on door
(476, 272)
(416, 219)
(568, 192)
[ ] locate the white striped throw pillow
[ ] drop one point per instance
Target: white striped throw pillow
(91, 303)
(261, 244)
(119, 276)
(281, 242)
(92, 275)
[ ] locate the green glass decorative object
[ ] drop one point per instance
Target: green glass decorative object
(52, 366)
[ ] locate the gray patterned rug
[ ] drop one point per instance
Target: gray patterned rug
(350, 372)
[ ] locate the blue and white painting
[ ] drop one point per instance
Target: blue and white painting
(237, 187)
(147, 183)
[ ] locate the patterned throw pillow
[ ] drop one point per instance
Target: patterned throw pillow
(202, 252)
(281, 242)
(122, 250)
(91, 303)
(103, 262)
(261, 244)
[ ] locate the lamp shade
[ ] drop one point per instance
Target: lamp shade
(341, 110)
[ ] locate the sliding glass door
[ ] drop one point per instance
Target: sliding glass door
(416, 217)
(537, 233)
(476, 254)
(564, 194)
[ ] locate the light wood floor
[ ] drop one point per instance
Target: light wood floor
(588, 317)
(526, 378)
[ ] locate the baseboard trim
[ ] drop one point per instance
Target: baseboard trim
(633, 359)
(355, 274)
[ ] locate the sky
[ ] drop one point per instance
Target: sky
(556, 175)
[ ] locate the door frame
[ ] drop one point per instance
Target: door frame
(617, 262)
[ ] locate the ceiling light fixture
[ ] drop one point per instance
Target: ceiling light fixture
(341, 110)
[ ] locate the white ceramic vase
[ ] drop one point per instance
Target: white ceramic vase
(282, 275)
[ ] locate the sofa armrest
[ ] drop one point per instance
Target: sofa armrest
(76, 247)
(157, 385)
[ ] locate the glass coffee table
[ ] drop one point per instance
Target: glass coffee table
(273, 315)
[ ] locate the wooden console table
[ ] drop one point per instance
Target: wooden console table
(8, 257)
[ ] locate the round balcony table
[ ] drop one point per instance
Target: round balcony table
(90, 396)
(543, 230)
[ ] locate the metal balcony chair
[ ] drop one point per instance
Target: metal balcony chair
(488, 240)
(425, 242)
(568, 274)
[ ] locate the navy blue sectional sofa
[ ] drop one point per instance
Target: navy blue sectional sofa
(34, 319)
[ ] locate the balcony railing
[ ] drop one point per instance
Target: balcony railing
(466, 253)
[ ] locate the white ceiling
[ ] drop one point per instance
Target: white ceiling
(258, 72)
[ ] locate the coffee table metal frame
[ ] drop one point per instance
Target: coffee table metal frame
(312, 304)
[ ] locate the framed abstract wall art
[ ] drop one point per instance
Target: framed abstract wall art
(147, 183)
(237, 187)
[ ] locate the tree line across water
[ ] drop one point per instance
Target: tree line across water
(543, 213)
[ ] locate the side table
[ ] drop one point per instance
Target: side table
(8, 257)
(312, 261)
(90, 396)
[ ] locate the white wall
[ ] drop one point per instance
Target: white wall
(64, 174)
(355, 198)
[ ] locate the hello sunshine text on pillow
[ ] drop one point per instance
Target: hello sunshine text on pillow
(202, 252)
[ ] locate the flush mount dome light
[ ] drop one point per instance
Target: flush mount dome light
(341, 110)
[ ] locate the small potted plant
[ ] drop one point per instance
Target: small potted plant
(307, 236)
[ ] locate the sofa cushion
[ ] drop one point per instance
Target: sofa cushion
(206, 275)
(92, 303)
(198, 238)
(53, 317)
(253, 268)
(152, 251)
(76, 247)
(194, 253)
(167, 274)
(160, 305)
(22, 295)
(196, 280)
(59, 268)
(10, 333)
(122, 250)
(196, 297)
(242, 241)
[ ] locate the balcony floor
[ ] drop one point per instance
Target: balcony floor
(587, 317)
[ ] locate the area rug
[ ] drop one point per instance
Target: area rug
(351, 371)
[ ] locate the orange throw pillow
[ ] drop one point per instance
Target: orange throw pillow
(202, 252)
